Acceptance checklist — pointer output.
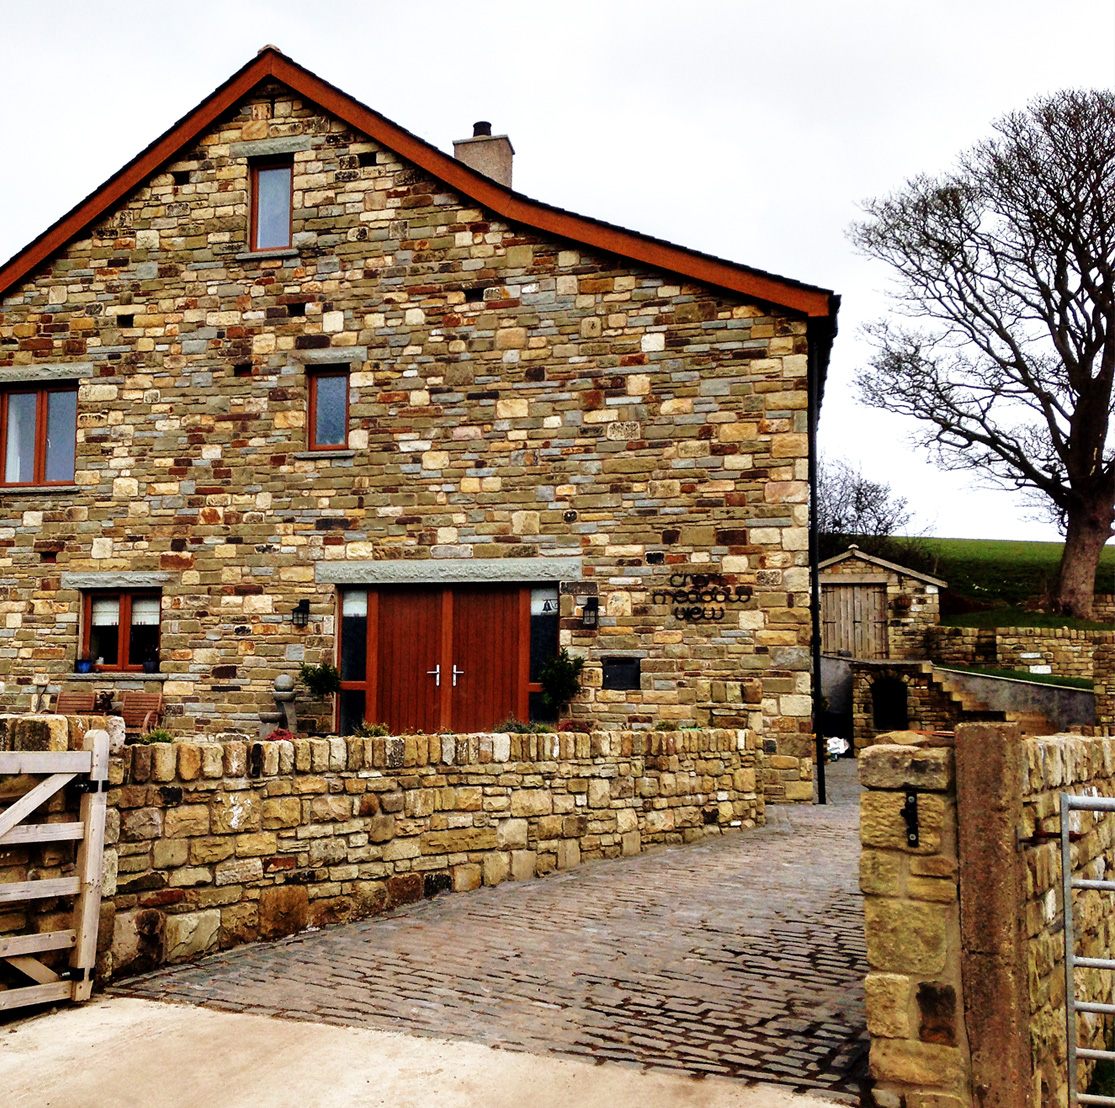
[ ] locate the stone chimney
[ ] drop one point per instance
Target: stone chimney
(486, 153)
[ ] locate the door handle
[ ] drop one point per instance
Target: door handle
(436, 672)
(457, 673)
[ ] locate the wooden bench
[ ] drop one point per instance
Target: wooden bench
(75, 703)
(141, 710)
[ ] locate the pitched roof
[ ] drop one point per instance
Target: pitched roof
(854, 551)
(817, 304)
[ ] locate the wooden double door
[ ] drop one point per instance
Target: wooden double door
(428, 658)
(854, 620)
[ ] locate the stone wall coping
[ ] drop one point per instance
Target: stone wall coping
(891, 766)
(441, 570)
(124, 579)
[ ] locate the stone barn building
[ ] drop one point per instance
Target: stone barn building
(295, 386)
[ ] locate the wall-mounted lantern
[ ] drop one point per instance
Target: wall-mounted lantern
(590, 613)
(301, 614)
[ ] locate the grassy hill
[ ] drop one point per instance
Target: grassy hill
(1004, 569)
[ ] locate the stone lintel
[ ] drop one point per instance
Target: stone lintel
(121, 580)
(52, 371)
(266, 148)
(438, 571)
(332, 355)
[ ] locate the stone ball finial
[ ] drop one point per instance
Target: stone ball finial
(284, 683)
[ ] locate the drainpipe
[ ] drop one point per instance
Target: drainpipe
(821, 332)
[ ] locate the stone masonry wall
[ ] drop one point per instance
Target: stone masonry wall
(215, 843)
(1056, 764)
(914, 988)
(965, 931)
(510, 397)
(1063, 651)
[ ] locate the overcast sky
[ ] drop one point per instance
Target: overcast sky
(748, 130)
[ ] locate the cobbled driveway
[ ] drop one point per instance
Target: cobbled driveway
(741, 956)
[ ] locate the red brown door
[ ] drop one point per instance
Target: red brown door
(435, 657)
(488, 664)
(408, 679)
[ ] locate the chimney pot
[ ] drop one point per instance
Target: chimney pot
(481, 128)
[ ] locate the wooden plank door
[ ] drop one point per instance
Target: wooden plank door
(409, 646)
(489, 663)
(854, 620)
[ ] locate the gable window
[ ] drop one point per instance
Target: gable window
(328, 415)
(272, 194)
(38, 435)
(122, 630)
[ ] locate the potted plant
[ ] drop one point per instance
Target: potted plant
(84, 664)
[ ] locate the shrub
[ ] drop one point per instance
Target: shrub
(156, 735)
(372, 731)
(561, 680)
(279, 735)
(320, 681)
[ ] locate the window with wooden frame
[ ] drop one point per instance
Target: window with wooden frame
(121, 630)
(272, 201)
(328, 402)
(38, 435)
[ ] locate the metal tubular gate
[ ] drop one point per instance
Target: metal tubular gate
(60, 768)
(1070, 803)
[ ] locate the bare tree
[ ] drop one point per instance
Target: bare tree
(851, 508)
(1006, 270)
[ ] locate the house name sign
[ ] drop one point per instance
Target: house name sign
(700, 597)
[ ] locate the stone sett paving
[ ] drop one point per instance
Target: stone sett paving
(742, 956)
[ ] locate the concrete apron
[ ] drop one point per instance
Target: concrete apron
(124, 1053)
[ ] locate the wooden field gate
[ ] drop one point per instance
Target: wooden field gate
(87, 772)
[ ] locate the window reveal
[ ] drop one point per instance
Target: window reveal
(272, 195)
(122, 630)
(39, 431)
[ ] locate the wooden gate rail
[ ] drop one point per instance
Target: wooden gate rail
(60, 768)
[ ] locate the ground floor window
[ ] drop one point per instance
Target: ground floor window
(121, 630)
(427, 658)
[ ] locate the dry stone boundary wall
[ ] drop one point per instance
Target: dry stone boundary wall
(1066, 651)
(216, 843)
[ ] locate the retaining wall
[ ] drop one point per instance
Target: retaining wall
(211, 844)
(1064, 651)
(965, 995)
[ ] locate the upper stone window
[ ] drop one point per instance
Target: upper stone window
(328, 415)
(272, 194)
(38, 435)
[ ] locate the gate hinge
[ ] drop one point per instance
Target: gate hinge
(74, 973)
(910, 815)
(91, 785)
